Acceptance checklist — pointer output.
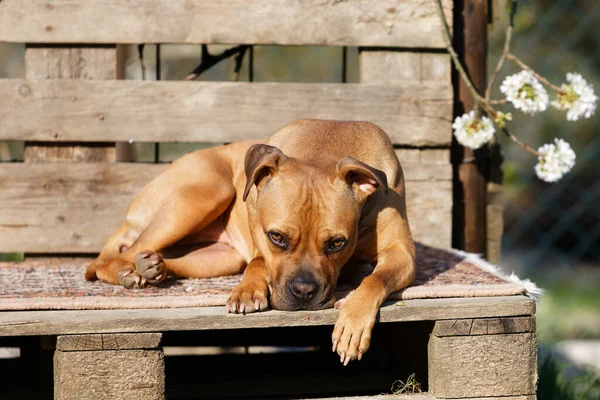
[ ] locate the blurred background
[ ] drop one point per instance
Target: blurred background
(552, 231)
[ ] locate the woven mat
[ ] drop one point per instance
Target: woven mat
(59, 284)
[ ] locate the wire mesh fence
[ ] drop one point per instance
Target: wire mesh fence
(556, 224)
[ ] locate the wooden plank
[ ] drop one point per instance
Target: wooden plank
(494, 221)
(473, 167)
(422, 396)
(79, 62)
(429, 208)
(484, 326)
(108, 341)
(377, 65)
(70, 207)
(104, 375)
(21, 323)
(74, 110)
(61, 62)
(532, 397)
(67, 152)
(393, 66)
(483, 366)
(409, 23)
(416, 396)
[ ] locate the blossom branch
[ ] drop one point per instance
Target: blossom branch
(522, 145)
(540, 78)
(505, 53)
(484, 102)
(526, 92)
(457, 64)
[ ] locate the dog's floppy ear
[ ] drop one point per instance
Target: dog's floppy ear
(261, 161)
(360, 177)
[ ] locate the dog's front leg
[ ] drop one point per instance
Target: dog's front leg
(252, 292)
(351, 336)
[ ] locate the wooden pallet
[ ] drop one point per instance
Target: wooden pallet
(476, 347)
(72, 191)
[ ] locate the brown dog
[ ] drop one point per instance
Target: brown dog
(328, 195)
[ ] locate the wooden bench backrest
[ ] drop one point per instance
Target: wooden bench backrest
(70, 194)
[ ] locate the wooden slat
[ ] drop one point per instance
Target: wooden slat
(400, 66)
(108, 341)
(97, 62)
(484, 326)
(20, 323)
(73, 207)
(407, 23)
(74, 110)
(482, 366)
(60, 62)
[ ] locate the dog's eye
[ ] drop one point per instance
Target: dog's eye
(278, 239)
(335, 245)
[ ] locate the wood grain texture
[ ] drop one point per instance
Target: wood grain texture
(532, 397)
(75, 207)
(494, 221)
(78, 110)
(422, 396)
(408, 23)
(79, 62)
(104, 375)
(400, 66)
(22, 323)
(43, 62)
(483, 366)
(484, 326)
(59, 152)
(416, 396)
(108, 341)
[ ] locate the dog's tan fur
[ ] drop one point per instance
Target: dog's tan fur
(290, 212)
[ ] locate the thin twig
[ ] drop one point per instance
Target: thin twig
(505, 51)
(483, 102)
(448, 40)
(142, 63)
(540, 78)
(239, 58)
(209, 60)
(522, 145)
(497, 102)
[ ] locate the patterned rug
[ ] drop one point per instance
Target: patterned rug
(59, 284)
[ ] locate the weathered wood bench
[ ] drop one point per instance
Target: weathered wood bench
(74, 185)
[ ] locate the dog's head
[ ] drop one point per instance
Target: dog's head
(306, 221)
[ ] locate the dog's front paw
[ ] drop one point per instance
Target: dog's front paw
(151, 267)
(352, 332)
(131, 279)
(247, 298)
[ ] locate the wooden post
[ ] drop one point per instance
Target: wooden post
(470, 41)
(378, 65)
(71, 62)
(483, 357)
(109, 366)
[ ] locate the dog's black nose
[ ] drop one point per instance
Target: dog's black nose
(304, 289)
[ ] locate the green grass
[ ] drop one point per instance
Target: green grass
(554, 384)
(570, 307)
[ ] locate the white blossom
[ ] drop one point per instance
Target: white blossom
(525, 92)
(578, 98)
(473, 132)
(555, 160)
